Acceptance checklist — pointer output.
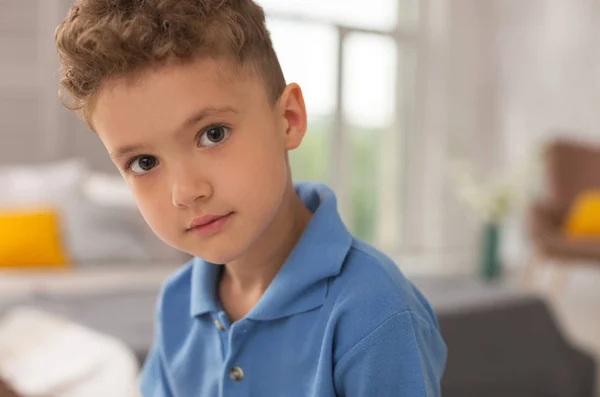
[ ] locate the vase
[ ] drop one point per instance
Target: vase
(490, 265)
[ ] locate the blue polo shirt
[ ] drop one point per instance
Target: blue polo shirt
(339, 319)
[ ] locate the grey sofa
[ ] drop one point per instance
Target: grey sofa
(503, 342)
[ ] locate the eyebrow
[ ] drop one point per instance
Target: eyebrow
(189, 122)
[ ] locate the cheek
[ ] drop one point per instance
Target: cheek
(260, 174)
(260, 160)
(150, 204)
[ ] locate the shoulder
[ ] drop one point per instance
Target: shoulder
(370, 290)
(370, 276)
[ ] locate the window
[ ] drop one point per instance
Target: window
(374, 14)
(352, 59)
(368, 110)
(308, 56)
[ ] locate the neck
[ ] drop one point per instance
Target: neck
(253, 272)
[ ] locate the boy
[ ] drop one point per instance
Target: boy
(189, 99)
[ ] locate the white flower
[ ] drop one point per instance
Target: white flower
(494, 197)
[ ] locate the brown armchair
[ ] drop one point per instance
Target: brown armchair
(571, 167)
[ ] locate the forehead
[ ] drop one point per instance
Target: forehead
(159, 97)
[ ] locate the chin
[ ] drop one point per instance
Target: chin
(221, 248)
(216, 256)
(217, 259)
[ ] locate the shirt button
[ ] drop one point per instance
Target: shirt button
(218, 325)
(236, 374)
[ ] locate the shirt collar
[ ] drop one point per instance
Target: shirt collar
(204, 298)
(301, 283)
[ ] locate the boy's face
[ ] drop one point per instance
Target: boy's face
(200, 146)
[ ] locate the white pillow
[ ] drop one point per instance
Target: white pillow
(41, 354)
(48, 184)
(108, 190)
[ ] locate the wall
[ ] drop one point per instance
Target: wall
(34, 127)
(550, 70)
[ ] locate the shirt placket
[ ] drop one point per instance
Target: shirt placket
(235, 374)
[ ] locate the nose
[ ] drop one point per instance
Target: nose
(188, 188)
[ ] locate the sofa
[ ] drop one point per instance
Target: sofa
(501, 341)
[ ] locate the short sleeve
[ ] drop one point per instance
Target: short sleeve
(403, 356)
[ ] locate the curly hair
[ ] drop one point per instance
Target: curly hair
(104, 39)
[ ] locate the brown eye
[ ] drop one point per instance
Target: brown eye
(214, 136)
(143, 164)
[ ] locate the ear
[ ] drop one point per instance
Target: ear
(293, 110)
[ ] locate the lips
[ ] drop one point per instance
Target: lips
(208, 224)
(204, 220)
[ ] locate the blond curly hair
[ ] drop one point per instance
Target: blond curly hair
(104, 39)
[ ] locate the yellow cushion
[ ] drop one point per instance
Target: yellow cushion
(584, 216)
(30, 238)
